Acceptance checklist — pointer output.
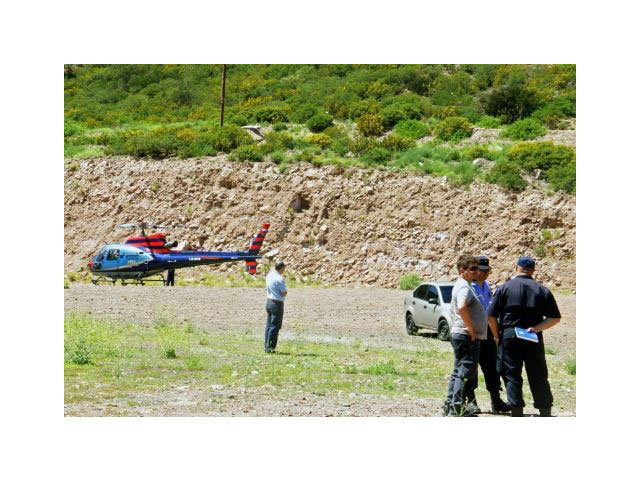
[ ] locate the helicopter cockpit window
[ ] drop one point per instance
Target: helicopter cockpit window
(113, 254)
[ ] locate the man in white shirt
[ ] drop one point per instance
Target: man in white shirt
(276, 293)
(469, 326)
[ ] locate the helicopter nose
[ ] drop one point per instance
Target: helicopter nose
(91, 264)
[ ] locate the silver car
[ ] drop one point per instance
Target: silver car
(429, 307)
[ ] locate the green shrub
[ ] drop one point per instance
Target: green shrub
(370, 125)
(396, 143)
(541, 155)
(453, 129)
(238, 119)
(341, 145)
(169, 351)
(279, 141)
(303, 113)
(441, 112)
(319, 122)
(412, 129)
(563, 177)
(102, 138)
(396, 112)
(273, 114)
(379, 89)
(410, 281)
(363, 107)
(78, 353)
(159, 143)
(72, 128)
(361, 145)
(377, 156)
(556, 110)
(510, 102)
(320, 139)
(525, 129)
(227, 138)
(507, 175)
(249, 153)
(170, 141)
(479, 151)
(278, 127)
(487, 121)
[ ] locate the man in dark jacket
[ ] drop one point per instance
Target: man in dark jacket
(518, 307)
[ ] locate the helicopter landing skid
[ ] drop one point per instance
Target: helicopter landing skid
(130, 281)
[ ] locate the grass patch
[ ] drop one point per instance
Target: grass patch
(118, 360)
(244, 280)
(570, 365)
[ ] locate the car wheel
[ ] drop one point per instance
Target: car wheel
(411, 326)
(443, 330)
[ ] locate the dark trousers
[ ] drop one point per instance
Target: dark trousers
(489, 363)
(171, 277)
(515, 353)
(464, 376)
(275, 312)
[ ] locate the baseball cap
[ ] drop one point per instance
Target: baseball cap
(526, 262)
(483, 263)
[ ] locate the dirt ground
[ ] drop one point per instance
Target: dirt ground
(372, 316)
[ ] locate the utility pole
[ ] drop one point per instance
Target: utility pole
(224, 79)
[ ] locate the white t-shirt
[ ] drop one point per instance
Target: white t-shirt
(462, 295)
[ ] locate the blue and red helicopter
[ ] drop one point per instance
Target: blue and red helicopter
(139, 258)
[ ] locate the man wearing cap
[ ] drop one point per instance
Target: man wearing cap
(469, 325)
(488, 350)
(524, 303)
(276, 292)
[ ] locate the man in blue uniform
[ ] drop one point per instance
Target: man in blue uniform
(523, 303)
(488, 350)
(276, 292)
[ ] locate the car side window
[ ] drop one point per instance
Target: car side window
(420, 292)
(432, 292)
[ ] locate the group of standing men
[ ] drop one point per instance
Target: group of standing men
(484, 333)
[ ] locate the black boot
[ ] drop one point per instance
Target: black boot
(445, 408)
(517, 412)
(497, 405)
(545, 412)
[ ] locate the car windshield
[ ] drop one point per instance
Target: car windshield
(446, 293)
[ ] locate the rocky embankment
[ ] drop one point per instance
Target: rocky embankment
(343, 226)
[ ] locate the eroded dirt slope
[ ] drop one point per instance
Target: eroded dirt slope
(344, 226)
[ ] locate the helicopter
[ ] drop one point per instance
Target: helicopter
(145, 256)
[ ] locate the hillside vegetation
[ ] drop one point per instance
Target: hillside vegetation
(416, 117)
